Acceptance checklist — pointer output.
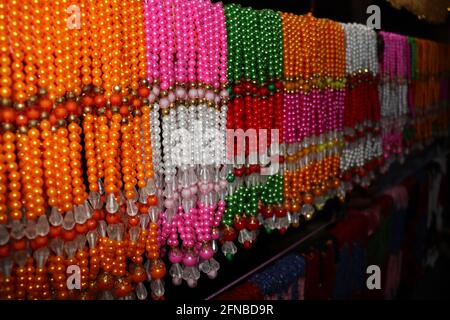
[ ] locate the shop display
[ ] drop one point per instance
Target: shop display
(391, 234)
(158, 134)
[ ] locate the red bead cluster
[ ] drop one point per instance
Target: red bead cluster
(361, 118)
(256, 108)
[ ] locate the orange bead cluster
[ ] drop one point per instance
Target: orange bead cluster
(75, 143)
(314, 52)
(314, 62)
(431, 63)
(89, 146)
(47, 138)
(312, 180)
(128, 161)
(79, 191)
(3, 185)
(13, 182)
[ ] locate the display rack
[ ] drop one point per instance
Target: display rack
(271, 247)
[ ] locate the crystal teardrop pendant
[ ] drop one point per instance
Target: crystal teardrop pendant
(157, 287)
(132, 209)
(92, 237)
(143, 195)
(101, 188)
(42, 226)
(69, 221)
(95, 200)
(41, 256)
(141, 292)
(21, 257)
(102, 228)
(55, 219)
(111, 204)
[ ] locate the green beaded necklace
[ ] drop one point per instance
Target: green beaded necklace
(255, 44)
(248, 44)
(255, 53)
(234, 41)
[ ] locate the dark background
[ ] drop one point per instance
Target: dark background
(393, 20)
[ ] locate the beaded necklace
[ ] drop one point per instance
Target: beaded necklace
(254, 66)
(393, 95)
(313, 80)
(362, 150)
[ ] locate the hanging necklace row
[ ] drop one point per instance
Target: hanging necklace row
(393, 90)
(362, 152)
(68, 90)
(188, 60)
(427, 94)
(313, 112)
(254, 67)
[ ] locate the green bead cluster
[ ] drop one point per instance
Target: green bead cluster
(273, 190)
(255, 44)
(246, 199)
(249, 42)
(255, 54)
(273, 42)
(243, 200)
(234, 33)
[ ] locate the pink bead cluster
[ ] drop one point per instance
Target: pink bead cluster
(395, 73)
(186, 50)
(395, 62)
(313, 113)
(196, 229)
(186, 47)
(187, 65)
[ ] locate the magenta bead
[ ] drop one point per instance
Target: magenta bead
(206, 252)
(175, 255)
